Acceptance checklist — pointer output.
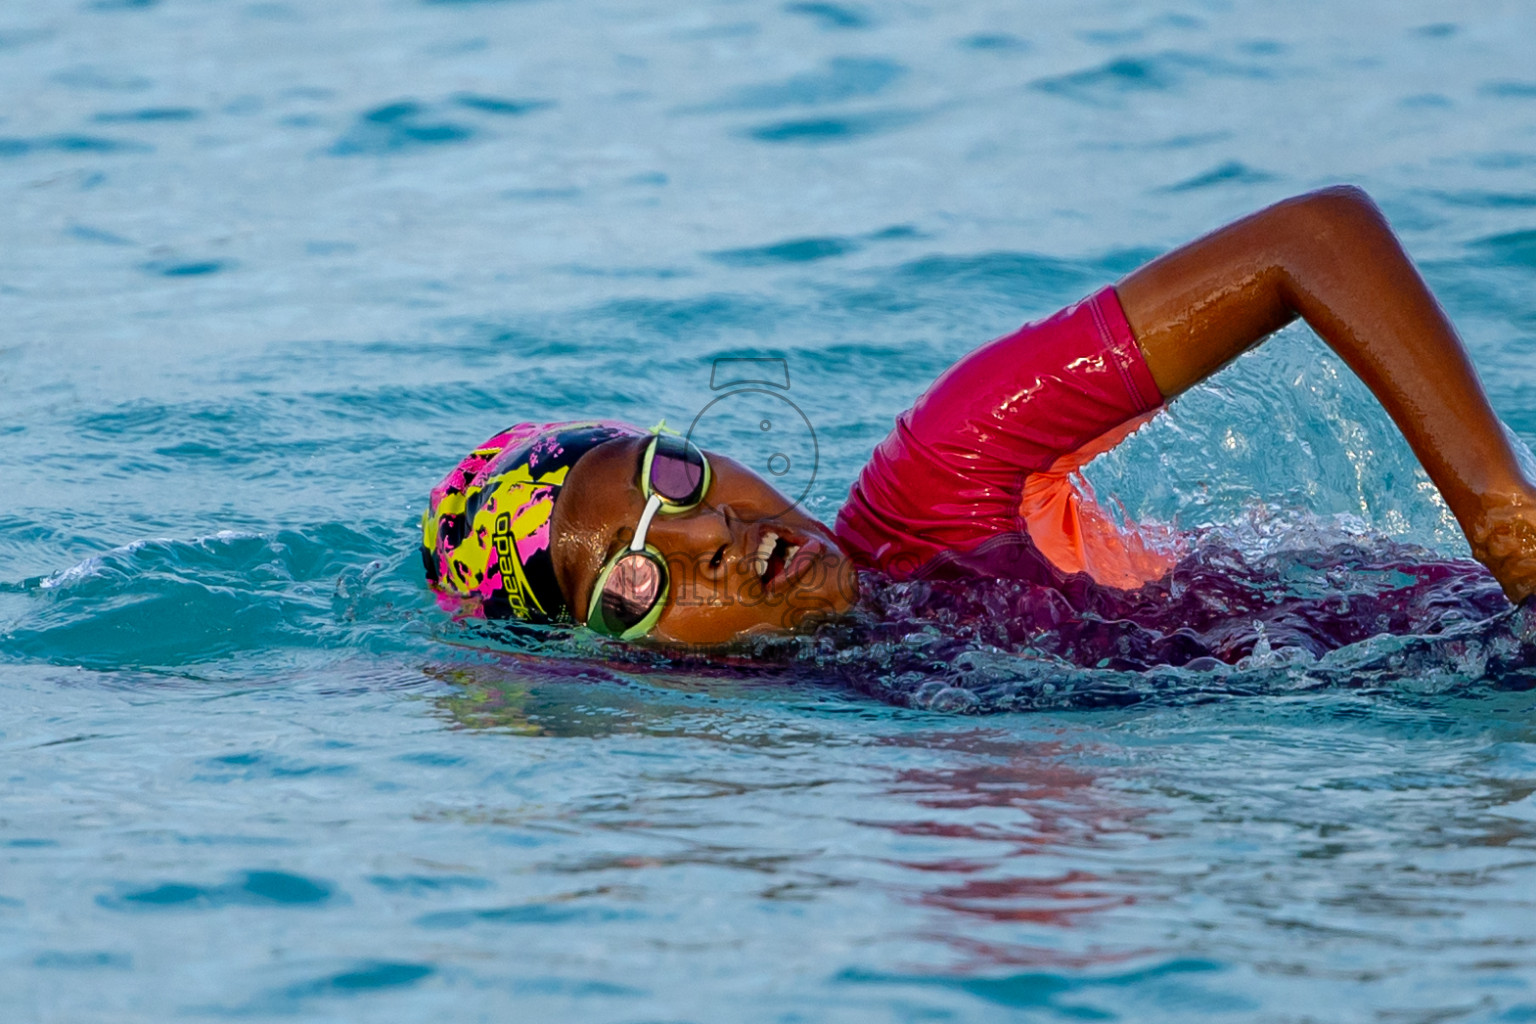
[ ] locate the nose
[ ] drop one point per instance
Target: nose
(705, 538)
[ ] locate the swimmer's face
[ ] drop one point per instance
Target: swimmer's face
(712, 550)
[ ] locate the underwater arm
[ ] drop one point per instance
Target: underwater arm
(1330, 258)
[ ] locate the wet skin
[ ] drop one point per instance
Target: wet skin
(716, 593)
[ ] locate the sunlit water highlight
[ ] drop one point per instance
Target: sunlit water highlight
(270, 269)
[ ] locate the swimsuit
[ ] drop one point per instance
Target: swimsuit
(990, 455)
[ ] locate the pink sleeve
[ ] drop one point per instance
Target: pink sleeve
(951, 474)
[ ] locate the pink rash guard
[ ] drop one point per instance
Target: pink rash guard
(994, 446)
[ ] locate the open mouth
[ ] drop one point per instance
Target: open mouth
(773, 554)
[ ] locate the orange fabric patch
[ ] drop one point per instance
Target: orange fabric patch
(1068, 526)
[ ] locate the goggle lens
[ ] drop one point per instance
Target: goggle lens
(632, 588)
(677, 471)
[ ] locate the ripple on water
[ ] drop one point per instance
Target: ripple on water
(829, 130)
(500, 106)
(86, 233)
(357, 979)
(1232, 172)
(1509, 90)
(1083, 995)
(1111, 83)
(830, 16)
(245, 767)
(1481, 199)
(1512, 249)
(809, 250)
(427, 886)
(796, 250)
(538, 914)
(408, 125)
(400, 127)
(21, 147)
(186, 268)
(995, 42)
(1024, 280)
(249, 888)
(842, 79)
(146, 115)
(95, 79)
(91, 960)
(364, 977)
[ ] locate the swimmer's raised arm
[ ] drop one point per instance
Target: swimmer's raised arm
(1330, 258)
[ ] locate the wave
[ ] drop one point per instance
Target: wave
(173, 604)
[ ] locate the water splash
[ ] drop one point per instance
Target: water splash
(1000, 630)
(1376, 615)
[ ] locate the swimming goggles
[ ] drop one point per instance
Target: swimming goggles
(631, 590)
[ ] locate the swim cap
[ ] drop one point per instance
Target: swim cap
(485, 534)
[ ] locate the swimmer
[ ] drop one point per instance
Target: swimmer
(641, 534)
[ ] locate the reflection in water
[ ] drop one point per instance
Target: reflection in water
(534, 697)
(996, 836)
(1040, 861)
(1019, 824)
(560, 697)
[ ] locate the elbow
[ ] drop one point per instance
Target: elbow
(1351, 197)
(1335, 210)
(1328, 231)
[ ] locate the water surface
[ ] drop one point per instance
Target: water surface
(271, 269)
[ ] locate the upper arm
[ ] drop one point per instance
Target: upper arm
(1201, 305)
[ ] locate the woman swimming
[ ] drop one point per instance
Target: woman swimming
(642, 534)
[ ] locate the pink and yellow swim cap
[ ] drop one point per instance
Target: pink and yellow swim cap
(485, 535)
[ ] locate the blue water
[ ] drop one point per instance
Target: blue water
(270, 269)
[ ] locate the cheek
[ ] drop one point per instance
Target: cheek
(709, 624)
(705, 610)
(716, 611)
(693, 586)
(700, 589)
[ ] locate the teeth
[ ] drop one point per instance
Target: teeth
(764, 550)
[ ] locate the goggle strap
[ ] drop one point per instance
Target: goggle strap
(652, 506)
